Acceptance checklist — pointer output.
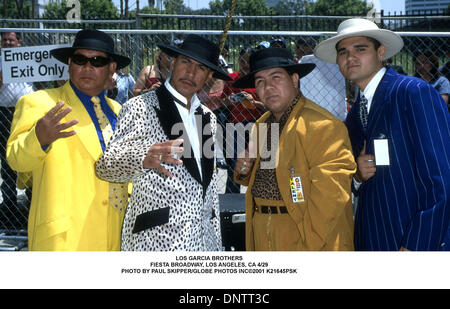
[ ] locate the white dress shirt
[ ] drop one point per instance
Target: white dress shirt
(189, 120)
(369, 91)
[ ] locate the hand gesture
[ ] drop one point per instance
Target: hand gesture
(155, 86)
(245, 161)
(49, 128)
(366, 165)
(162, 152)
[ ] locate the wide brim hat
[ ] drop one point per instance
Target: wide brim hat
(355, 27)
(92, 40)
(199, 49)
(269, 58)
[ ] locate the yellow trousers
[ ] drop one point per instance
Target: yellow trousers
(274, 231)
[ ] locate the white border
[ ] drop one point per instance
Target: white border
(329, 270)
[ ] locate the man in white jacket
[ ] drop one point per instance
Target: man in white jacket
(174, 204)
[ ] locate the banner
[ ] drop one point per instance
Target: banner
(32, 64)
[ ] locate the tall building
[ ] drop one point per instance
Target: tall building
(426, 6)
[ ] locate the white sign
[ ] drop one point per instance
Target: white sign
(32, 64)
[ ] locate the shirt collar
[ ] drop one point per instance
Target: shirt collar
(84, 97)
(371, 87)
(180, 99)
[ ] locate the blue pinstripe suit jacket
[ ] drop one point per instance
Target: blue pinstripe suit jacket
(406, 204)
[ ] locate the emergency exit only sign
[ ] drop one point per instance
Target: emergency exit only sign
(32, 64)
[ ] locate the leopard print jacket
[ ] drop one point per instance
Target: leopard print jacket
(164, 214)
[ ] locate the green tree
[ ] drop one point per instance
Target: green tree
(16, 9)
(243, 7)
(291, 7)
(176, 7)
(90, 10)
(333, 8)
(337, 8)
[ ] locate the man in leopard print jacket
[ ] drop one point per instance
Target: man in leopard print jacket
(164, 144)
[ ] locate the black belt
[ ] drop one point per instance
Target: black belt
(271, 209)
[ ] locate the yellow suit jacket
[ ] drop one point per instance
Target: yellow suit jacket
(315, 145)
(70, 207)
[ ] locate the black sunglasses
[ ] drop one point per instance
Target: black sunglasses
(96, 61)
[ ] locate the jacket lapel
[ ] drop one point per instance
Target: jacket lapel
(355, 129)
(169, 118)
(207, 163)
(287, 139)
(378, 115)
(85, 128)
(378, 102)
(115, 107)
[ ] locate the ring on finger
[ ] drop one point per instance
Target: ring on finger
(243, 168)
(160, 157)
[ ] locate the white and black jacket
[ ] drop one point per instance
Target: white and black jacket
(164, 214)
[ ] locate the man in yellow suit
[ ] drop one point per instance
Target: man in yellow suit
(299, 166)
(56, 136)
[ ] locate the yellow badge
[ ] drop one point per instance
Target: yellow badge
(296, 189)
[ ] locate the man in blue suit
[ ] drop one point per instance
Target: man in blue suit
(400, 133)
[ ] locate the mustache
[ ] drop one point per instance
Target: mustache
(183, 79)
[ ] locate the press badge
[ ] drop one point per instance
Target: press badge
(296, 188)
(381, 150)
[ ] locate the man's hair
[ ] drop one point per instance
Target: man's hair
(18, 36)
(375, 42)
(434, 62)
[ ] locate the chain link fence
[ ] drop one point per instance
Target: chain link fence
(324, 85)
(432, 21)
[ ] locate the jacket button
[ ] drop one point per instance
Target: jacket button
(105, 202)
(443, 244)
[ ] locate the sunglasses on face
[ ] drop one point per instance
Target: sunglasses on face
(96, 61)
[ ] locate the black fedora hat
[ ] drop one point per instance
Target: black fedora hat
(269, 58)
(93, 40)
(201, 50)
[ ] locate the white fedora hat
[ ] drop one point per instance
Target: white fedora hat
(326, 50)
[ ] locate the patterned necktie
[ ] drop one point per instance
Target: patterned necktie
(363, 112)
(105, 125)
(118, 193)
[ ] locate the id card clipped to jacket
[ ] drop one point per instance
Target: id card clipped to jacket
(295, 183)
(381, 150)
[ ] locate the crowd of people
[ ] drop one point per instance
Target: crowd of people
(118, 164)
